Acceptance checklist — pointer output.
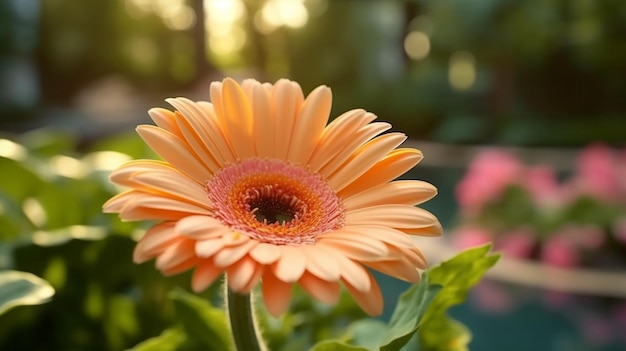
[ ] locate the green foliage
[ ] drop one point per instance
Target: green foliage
(201, 327)
(421, 311)
(22, 288)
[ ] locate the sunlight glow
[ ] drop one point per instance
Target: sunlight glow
(417, 45)
(277, 13)
(35, 212)
(105, 160)
(462, 70)
(11, 150)
(68, 167)
(225, 34)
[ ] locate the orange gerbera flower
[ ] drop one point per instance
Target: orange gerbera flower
(257, 185)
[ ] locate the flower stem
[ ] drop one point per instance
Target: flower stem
(243, 322)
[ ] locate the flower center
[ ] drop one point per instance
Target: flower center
(275, 202)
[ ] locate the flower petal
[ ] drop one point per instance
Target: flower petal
(353, 273)
(240, 274)
(265, 253)
(394, 216)
(400, 268)
(286, 100)
(231, 254)
(206, 248)
(401, 192)
(350, 144)
(154, 241)
(334, 137)
(371, 301)
(264, 125)
(201, 227)
(236, 118)
(177, 253)
(364, 159)
(395, 164)
(159, 179)
(205, 274)
(321, 263)
(310, 124)
(135, 205)
(355, 246)
(291, 265)
(174, 151)
(322, 290)
(276, 293)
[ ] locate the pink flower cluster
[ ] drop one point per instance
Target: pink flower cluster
(599, 175)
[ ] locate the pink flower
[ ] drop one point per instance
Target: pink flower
(597, 172)
(542, 183)
(486, 178)
(518, 243)
(559, 251)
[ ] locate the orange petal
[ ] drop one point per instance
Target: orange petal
(276, 293)
(357, 247)
(175, 254)
(174, 151)
(240, 274)
(237, 118)
(291, 265)
(264, 125)
(286, 100)
(201, 227)
(353, 273)
(310, 124)
(165, 119)
(194, 129)
(322, 290)
(231, 254)
(384, 234)
(400, 268)
(205, 274)
(218, 139)
(163, 182)
(371, 301)
(395, 164)
(401, 192)
(135, 205)
(208, 247)
(394, 216)
(321, 262)
(154, 241)
(265, 253)
(364, 159)
(333, 138)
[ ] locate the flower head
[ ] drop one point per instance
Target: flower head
(257, 185)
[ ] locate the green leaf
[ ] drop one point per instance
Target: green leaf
(409, 312)
(22, 288)
(173, 339)
(334, 345)
(457, 276)
(369, 333)
(203, 323)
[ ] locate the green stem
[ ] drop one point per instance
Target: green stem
(243, 322)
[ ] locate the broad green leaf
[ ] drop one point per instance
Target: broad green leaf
(173, 339)
(22, 288)
(204, 324)
(409, 312)
(334, 345)
(456, 276)
(446, 334)
(369, 333)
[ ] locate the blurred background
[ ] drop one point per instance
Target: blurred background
(543, 78)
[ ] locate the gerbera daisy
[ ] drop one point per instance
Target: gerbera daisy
(257, 185)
